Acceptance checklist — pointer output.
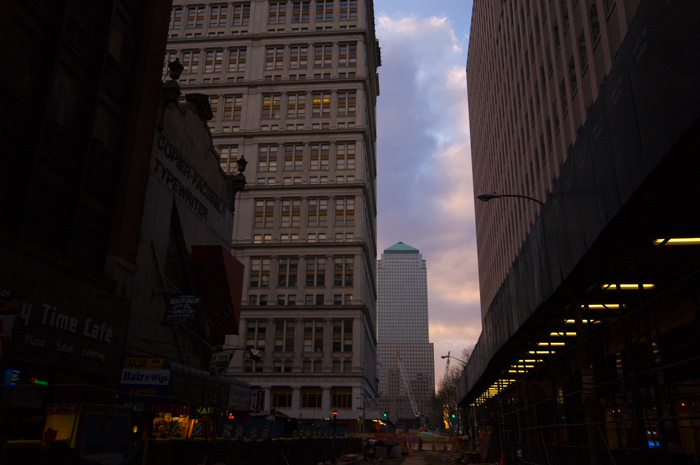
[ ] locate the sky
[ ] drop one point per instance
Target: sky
(424, 176)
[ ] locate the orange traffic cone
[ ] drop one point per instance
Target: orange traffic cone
(502, 461)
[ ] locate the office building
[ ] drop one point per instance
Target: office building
(584, 119)
(403, 339)
(293, 88)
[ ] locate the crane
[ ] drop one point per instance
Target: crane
(447, 365)
(404, 376)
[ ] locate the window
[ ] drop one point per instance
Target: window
(340, 299)
(291, 210)
(241, 14)
(195, 17)
(259, 272)
(556, 117)
(236, 59)
(296, 105)
(557, 42)
(282, 366)
(300, 12)
(313, 336)
(311, 397)
(595, 23)
(319, 156)
(572, 75)
(323, 55)
(264, 211)
(267, 158)
(190, 62)
(233, 107)
(324, 10)
(347, 55)
(277, 13)
(274, 57)
(343, 271)
(316, 272)
(341, 398)
(347, 101)
(345, 156)
(342, 335)
(310, 299)
(271, 106)
(176, 18)
(565, 14)
(317, 213)
(281, 397)
(321, 105)
(564, 100)
(255, 334)
(284, 336)
(213, 60)
(348, 10)
(345, 211)
(298, 56)
(217, 16)
(228, 156)
(582, 52)
(287, 272)
(255, 337)
(293, 157)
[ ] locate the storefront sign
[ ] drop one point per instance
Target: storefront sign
(40, 382)
(145, 383)
(181, 308)
(143, 363)
(176, 173)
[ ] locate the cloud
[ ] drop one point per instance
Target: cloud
(425, 193)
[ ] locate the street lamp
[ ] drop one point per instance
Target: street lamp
(452, 356)
(485, 197)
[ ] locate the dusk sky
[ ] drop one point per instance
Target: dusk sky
(424, 159)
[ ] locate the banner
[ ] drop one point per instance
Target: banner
(181, 308)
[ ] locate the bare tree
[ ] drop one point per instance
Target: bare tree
(447, 389)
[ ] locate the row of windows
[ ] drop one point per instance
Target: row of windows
(301, 11)
(310, 237)
(317, 153)
(284, 336)
(291, 300)
(227, 110)
(278, 57)
(341, 397)
(288, 270)
(316, 212)
(195, 17)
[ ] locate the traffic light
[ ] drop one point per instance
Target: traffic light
(454, 416)
(385, 413)
(335, 413)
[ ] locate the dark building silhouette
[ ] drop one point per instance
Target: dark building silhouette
(590, 340)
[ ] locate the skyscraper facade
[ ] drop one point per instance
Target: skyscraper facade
(585, 126)
(293, 88)
(404, 352)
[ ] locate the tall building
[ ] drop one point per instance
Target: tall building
(403, 344)
(585, 130)
(293, 88)
(81, 81)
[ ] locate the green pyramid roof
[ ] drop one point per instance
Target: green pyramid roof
(401, 247)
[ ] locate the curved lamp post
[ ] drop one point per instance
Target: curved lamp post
(452, 356)
(485, 197)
